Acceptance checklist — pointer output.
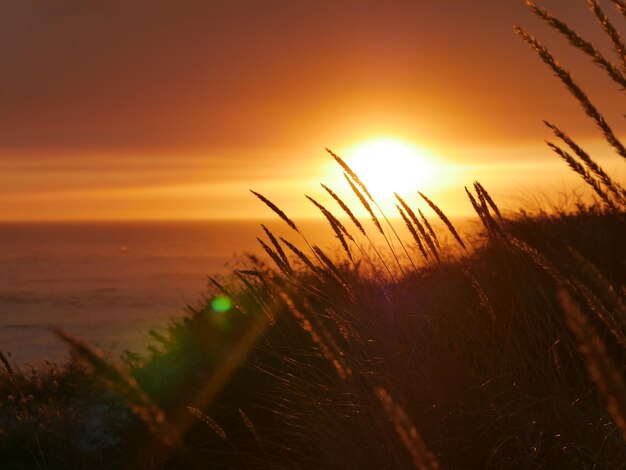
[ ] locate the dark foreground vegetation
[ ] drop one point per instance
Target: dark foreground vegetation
(430, 350)
(470, 358)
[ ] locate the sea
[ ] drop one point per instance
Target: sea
(110, 283)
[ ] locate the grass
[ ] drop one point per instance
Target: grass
(428, 350)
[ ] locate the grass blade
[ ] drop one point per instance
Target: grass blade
(276, 210)
(444, 219)
(602, 370)
(574, 89)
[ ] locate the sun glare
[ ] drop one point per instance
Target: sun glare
(387, 166)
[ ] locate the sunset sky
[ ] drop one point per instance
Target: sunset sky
(173, 110)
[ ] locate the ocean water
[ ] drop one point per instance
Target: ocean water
(109, 283)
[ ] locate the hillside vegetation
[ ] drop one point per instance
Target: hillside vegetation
(429, 350)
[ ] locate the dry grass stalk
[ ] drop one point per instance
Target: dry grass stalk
(413, 232)
(340, 231)
(391, 249)
(609, 29)
(276, 210)
(422, 231)
(618, 191)
(365, 204)
(319, 335)
(328, 263)
(257, 274)
(577, 41)
(610, 296)
(576, 91)
(539, 260)
(359, 226)
(482, 295)
(345, 208)
(352, 174)
(414, 220)
(139, 402)
(481, 190)
(428, 239)
(584, 174)
(444, 219)
(620, 5)
(344, 327)
(257, 290)
(423, 459)
(275, 257)
(253, 272)
(208, 420)
(601, 368)
(488, 221)
(251, 289)
(429, 227)
(277, 247)
(254, 292)
(219, 286)
(429, 236)
(300, 255)
(596, 306)
(367, 207)
(478, 209)
(248, 422)
(331, 217)
(7, 365)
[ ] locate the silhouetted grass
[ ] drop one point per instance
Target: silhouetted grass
(506, 353)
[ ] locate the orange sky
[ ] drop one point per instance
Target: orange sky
(155, 110)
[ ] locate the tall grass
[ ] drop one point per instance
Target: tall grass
(508, 353)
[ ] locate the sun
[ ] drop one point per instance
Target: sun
(388, 165)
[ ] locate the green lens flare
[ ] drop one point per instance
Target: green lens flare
(221, 304)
